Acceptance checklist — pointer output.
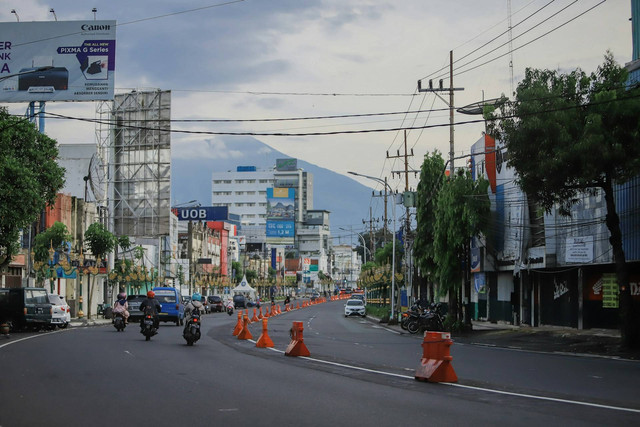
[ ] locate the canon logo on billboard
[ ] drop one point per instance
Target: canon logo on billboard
(87, 27)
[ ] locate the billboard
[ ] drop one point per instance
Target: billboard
(280, 216)
(57, 61)
(284, 165)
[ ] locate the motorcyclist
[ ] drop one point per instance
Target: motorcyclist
(154, 307)
(122, 307)
(195, 303)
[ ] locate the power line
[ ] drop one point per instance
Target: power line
(340, 132)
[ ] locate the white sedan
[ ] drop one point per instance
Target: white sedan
(61, 312)
(354, 307)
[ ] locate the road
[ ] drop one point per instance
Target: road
(358, 373)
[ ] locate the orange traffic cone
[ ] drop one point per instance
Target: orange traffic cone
(255, 316)
(264, 340)
(296, 346)
(435, 365)
(245, 334)
(238, 327)
(260, 316)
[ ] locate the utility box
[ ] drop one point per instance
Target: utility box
(409, 199)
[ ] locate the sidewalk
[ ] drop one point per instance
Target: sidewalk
(550, 339)
(83, 322)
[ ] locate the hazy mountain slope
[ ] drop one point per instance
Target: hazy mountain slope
(346, 199)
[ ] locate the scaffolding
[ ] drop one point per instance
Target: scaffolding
(134, 146)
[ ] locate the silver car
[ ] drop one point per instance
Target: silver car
(354, 307)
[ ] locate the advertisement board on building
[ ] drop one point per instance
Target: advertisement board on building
(283, 165)
(57, 61)
(280, 216)
(579, 249)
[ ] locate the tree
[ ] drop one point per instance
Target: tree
(431, 179)
(237, 268)
(567, 134)
(101, 242)
(54, 238)
(30, 179)
(462, 211)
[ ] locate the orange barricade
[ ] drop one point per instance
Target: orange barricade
(238, 327)
(296, 347)
(435, 365)
(255, 315)
(264, 340)
(245, 333)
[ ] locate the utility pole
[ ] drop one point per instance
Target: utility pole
(407, 226)
(450, 104)
(384, 228)
(371, 220)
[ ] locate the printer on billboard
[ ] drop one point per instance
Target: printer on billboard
(35, 77)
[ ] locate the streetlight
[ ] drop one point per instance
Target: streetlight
(364, 243)
(15, 13)
(54, 14)
(393, 239)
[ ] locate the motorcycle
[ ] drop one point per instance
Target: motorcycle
(430, 320)
(230, 309)
(148, 325)
(412, 314)
(191, 331)
(118, 322)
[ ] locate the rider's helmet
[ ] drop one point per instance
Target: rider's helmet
(196, 297)
(122, 295)
(151, 294)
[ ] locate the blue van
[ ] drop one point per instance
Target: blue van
(171, 301)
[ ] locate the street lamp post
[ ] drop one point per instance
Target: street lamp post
(393, 240)
(364, 244)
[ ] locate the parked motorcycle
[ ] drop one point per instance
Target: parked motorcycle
(430, 320)
(412, 314)
(191, 331)
(148, 325)
(118, 322)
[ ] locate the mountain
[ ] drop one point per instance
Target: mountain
(346, 199)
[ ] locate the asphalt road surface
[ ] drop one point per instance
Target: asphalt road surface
(359, 373)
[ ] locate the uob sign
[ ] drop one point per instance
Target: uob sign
(210, 213)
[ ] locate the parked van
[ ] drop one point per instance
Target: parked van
(171, 301)
(25, 308)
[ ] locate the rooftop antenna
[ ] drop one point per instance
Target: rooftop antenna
(54, 14)
(15, 13)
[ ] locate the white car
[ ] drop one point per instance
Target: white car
(354, 307)
(60, 311)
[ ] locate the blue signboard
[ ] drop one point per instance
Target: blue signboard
(280, 227)
(207, 213)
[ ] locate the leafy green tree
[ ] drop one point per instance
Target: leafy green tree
(101, 242)
(30, 178)
(462, 211)
(251, 275)
(53, 237)
(571, 134)
(431, 180)
(237, 267)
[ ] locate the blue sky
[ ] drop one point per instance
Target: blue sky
(257, 59)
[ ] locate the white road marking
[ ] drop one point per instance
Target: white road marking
(32, 336)
(469, 387)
